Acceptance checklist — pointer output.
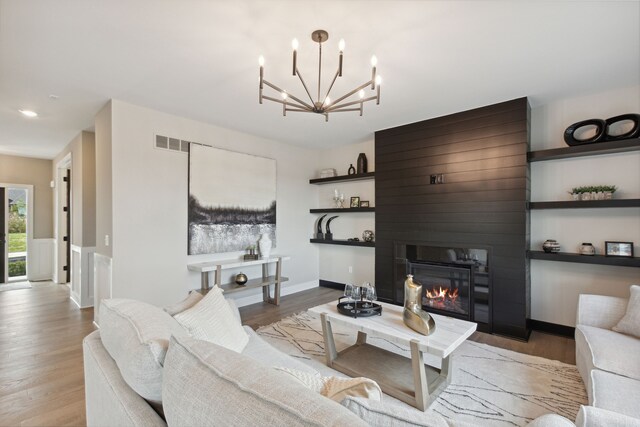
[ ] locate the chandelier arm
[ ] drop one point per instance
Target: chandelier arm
(280, 101)
(299, 110)
(352, 92)
(304, 84)
(331, 86)
(319, 67)
(345, 109)
(276, 88)
(347, 104)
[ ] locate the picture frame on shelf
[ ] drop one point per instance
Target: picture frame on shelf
(620, 249)
(355, 202)
(364, 204)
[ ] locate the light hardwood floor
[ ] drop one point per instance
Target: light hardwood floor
(41, 332)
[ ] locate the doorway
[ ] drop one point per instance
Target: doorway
(14, 232)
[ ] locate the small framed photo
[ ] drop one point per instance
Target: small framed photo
(623, 249)
(355, 202)
(364, 204)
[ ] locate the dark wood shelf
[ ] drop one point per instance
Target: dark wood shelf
(344, 242)
(585, 259)
(592, 149)
(340, 178)
(586, 204)
(345, 210)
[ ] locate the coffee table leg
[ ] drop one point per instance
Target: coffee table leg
(329, 343)
(445, 370)
(419, 376)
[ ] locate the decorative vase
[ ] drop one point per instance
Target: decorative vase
(585, 196)
(608, 195)
(550, 246)
(575, 196)
(587, 249)
(351, 170)
(265, 245)
(241, 278)
(413, 315)
(362, 163)
(368, 236)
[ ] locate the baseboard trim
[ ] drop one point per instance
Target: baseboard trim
(286, 290)
(552, 328)
(331, 285)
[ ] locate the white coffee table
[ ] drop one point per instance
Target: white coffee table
(409, 380)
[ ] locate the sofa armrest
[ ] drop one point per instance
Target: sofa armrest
(600, 311)
(590, 416)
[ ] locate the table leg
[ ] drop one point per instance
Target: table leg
(419, 376)
(445, 369)
(204, 282)
(329, 344)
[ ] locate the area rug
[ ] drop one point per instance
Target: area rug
(14, 286)
(490, 386)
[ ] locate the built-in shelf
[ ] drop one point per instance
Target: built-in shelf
(586, 204)
(341, 178)
(585, 259)
(591, 149)
(344, 243)
(341, 210)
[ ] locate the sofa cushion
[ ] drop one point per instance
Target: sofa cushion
(192, 299)
(136, 335)
(590, 416)
(608, 350)
(212, 320)
(206, 384)
(257, 348)
(630, 322)
(615, 393)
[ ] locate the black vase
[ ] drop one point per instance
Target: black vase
(362, 163)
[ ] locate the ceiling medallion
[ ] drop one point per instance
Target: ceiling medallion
(322, 105)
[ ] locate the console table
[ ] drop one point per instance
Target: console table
(264, 282)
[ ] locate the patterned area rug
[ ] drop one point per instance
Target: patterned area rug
(14, 286)
(490, 386)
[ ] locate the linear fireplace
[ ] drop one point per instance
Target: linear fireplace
(455, 280)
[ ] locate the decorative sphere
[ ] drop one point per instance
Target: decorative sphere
(241, 278)
(368, 236)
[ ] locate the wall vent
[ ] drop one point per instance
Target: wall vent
(173, 144)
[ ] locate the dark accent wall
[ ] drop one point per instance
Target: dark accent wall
(483, 200)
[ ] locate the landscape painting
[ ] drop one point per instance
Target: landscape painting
(232, 200)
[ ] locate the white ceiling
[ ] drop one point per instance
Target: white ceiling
(198, 59)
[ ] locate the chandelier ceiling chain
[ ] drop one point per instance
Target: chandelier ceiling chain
(320, 105)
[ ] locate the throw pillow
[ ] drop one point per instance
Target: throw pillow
(337, 388)
(630, 322)
(212, 320)
(192, 299)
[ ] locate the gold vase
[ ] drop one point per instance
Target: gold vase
(413, 315)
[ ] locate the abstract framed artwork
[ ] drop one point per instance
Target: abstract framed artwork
(232, 200)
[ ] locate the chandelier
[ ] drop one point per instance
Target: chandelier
(322, 105)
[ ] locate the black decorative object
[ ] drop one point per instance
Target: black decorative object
(241, 278)
(633, 133)
(319, 234)
(359, 310)
(569, 133)
(362, 163)
(351, 170)
(368, 236)
(551, 246)
(329, 235)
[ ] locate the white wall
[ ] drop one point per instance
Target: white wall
(335, 260)
(149, 240)
(555, 286)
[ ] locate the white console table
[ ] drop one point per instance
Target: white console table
(264, 282)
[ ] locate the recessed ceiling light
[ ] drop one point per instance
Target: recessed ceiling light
(29, 113)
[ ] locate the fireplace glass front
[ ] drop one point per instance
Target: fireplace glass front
(445, 289)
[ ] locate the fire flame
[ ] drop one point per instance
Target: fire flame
(442, 294)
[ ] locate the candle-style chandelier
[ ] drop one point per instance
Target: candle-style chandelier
(322, 105)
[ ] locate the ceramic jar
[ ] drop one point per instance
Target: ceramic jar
(265, 245)
(551, 246)
(587, 249)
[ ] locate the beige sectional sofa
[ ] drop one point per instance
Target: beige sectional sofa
(142, 369)
(608, 361)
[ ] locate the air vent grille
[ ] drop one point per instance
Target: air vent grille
(173, 144)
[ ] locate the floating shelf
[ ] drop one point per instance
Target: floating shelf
(592, 149)
(340, 178)
(342, 210)
(585, 259)
(344, 243)
(586, 204)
